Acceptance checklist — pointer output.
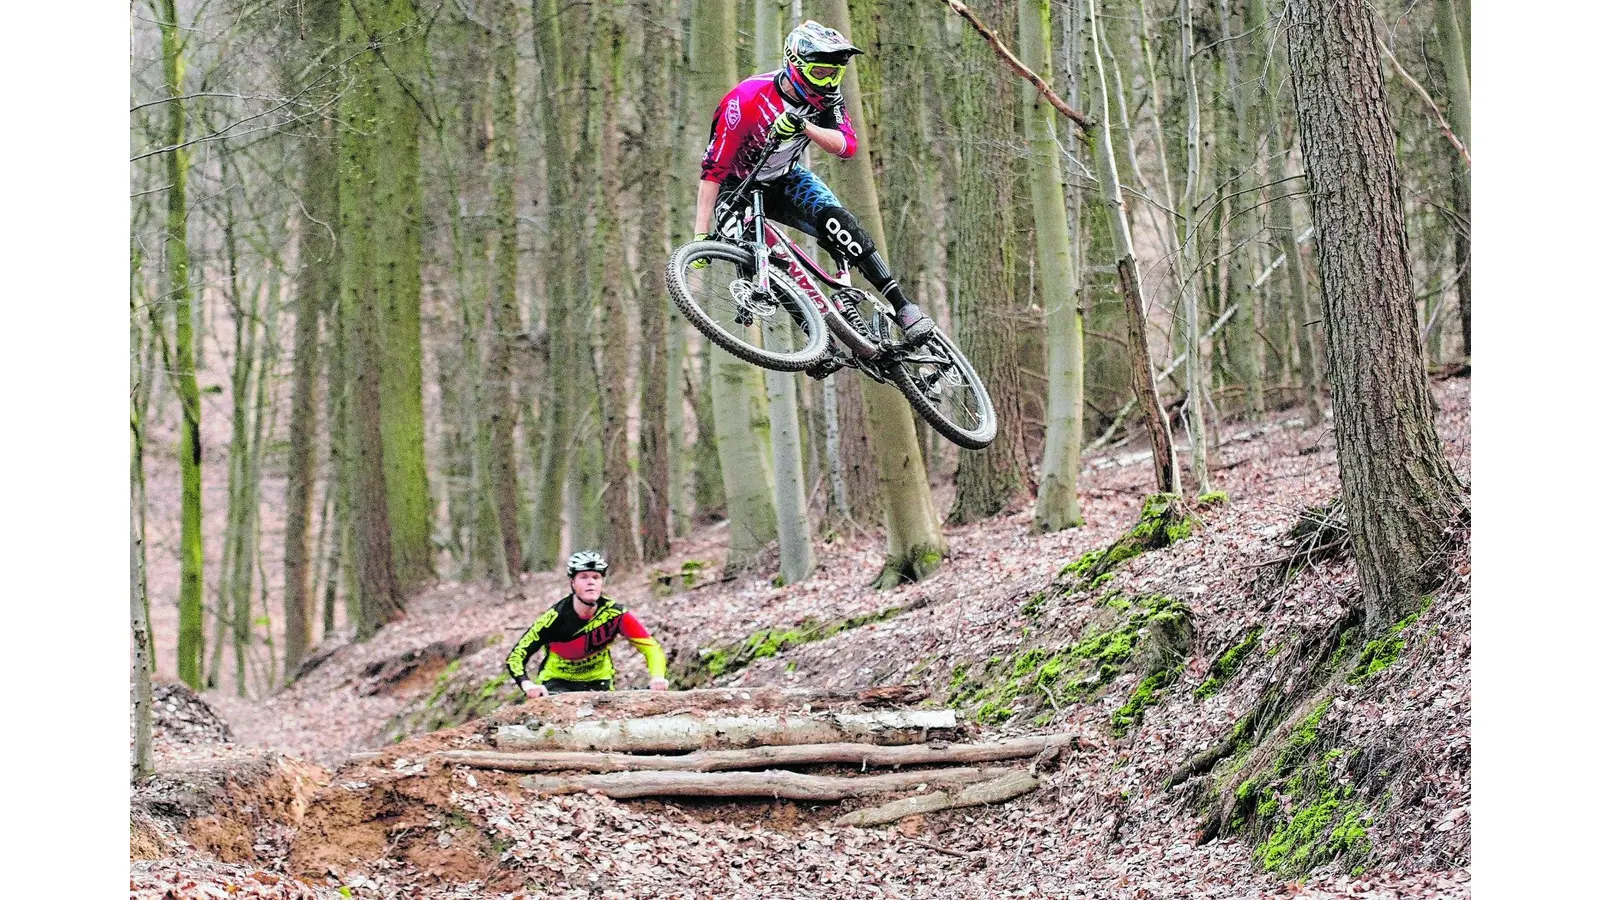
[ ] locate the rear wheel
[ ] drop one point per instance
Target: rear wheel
(780, 330)
(945, 390)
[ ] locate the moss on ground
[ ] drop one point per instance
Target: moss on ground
(1046, 678)
(1227, 665)
(1163, 521)
(1380, 653)
(454, 700)
(716, 661)
(1302, 812)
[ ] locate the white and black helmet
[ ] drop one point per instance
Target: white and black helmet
(586, 561)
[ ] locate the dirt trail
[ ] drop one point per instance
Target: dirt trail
(389, 823)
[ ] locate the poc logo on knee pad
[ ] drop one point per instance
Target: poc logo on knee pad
(841, 235)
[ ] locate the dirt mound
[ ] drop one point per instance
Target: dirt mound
(180, 716)
(240, 806)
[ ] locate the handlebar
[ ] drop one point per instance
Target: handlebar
(739, 194)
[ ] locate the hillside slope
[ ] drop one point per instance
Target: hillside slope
(1349, 776)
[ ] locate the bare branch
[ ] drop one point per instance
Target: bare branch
(1423, 93)
(1017, 66)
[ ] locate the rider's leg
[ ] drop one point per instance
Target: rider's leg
(809, 205)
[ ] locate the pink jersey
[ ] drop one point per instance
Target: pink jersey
(740, 131)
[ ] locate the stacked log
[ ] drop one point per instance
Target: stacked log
(690, 750)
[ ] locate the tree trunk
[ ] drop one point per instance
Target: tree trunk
(1057, 507)
(677, 733)
(144, 661)
(739, 405)
(504, 308)
(191, 554)
(611, 341)
(555, 444)
(795, 560)
(1198, 382)
(1452, 21)
(379, 288)
(995, 790)
(916, 546)
(775, 784)
(854, 755)
(1144, 387)
(655, 466)
(1400, 493)
(316, 290)
(991, 480)
(382, 112)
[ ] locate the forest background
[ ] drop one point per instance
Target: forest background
(70, 548)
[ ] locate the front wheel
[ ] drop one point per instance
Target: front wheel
(945, 390)
(722, 301)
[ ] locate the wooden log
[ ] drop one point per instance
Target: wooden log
(637, 704)
(998, 790)
(689, 732)
(774, 783)
(757, 757)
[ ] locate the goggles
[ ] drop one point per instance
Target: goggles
(822, 74)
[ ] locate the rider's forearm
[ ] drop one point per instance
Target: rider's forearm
(705, 202)
(829, 139)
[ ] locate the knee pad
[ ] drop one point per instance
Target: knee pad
(843, 232)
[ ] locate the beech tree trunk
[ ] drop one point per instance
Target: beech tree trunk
(504, 309)
(1057, 507)
(1400, 493)
(556, 446)
(656, 477)
(191, 553)
(316, 295)
(990, 480)
(610, 342)
(795, 558)
(916, 546)
(1451, 20)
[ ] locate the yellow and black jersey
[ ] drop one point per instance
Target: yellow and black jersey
(580, 650)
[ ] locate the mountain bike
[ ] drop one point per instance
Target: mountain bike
(755, 275)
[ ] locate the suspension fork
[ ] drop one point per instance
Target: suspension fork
(758, 211)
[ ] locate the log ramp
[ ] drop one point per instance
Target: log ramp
(730, 744)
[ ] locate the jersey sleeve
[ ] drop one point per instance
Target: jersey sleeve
(837, 117)
(727, 133)
(655, 659)
(531, 640)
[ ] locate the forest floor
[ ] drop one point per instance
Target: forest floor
(283, 797)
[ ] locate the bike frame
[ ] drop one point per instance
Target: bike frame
(775, 246)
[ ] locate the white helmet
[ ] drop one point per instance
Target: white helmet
(586, 561)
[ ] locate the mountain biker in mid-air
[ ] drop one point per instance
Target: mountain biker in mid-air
(801, 103)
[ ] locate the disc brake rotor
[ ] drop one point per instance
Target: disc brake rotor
(751, 302)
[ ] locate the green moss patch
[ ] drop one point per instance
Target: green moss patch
(1225, 666)
(456, 699)
(1380, 653)
(716, 661)
(1151, 630)
(1163, 521)
(1302, 811)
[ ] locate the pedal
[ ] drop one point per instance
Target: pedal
(825, 368)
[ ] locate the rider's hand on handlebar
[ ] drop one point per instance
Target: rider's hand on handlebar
(786, 126)
(701, 262)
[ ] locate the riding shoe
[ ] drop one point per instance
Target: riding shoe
(914, 324)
